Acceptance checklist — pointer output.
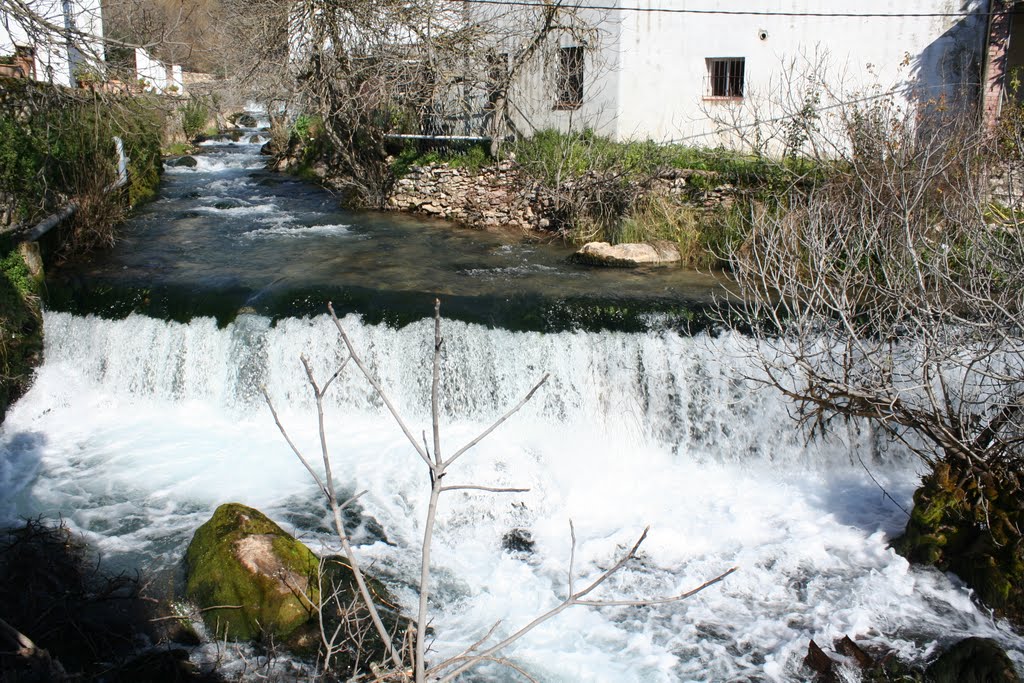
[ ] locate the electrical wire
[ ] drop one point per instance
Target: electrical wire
(749, 13)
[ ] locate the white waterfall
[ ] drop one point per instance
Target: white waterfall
(136, 429)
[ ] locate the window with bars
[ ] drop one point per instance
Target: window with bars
(726, 76)
(570, 78)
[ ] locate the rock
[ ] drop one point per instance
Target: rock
(188, 162)
(973, 660)
(243, 120)
(820, 663)
(627, 255)
(518, 541)
(969, 523)
(254, 139)
(265, 578)
(846, 647)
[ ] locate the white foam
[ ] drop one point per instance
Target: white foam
(252, 210)
(208, 163)
(137, 429)
(284, 228)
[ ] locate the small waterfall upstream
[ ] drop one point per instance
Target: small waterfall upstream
(137, 428)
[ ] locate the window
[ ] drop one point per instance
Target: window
(725, 77)
(570, 78)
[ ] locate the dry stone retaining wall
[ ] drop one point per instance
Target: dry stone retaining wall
(503, 195)
(497, 195)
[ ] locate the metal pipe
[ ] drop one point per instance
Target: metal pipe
(462, 138)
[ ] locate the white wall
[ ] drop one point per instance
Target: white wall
(533, 96)
(56, 60)
(658, 85)
(150, 70)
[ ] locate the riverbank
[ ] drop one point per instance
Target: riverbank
(59, 163)
(574, 187)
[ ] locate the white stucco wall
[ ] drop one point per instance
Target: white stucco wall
(150, 70)
(58, 59)
(657, 85)
(534, 94)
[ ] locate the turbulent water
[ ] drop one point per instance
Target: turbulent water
(137, 428)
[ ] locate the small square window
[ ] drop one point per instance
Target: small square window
(570, 78)
(726, 76)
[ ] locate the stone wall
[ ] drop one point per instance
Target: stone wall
(503, 195)
(498, 195)
(1006, 185)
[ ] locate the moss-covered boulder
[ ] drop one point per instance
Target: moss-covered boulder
(968, 521)
(973, 660)
(262, 581)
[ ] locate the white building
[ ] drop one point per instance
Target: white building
(704, 71)
(65, 38)
(157, 76)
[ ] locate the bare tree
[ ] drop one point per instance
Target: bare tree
(885, 292)
(372, 70)
(892, 290)
(438, 468)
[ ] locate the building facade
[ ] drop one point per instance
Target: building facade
(58, 41)
(709, 73)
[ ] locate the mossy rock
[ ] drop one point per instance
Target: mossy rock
(973, 660)
(262, 581)
(969, 522)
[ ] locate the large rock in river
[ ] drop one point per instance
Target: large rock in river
(260, 578)
(969, 521)
(628, 255)
(973, 660)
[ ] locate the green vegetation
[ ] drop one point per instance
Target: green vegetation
(194, 115)
(176, 149)
(470, 156)
(62, 147)
(703, 237)
(56, 147)
(21, 329)
(552, 157)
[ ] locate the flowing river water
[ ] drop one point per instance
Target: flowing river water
(146, 414)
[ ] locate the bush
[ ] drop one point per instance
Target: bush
(194, 115)
(20, 326)
(54, 145)
(470, 156)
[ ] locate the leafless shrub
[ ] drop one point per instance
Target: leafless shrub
(887, 293)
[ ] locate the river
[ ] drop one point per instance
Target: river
(146, 414)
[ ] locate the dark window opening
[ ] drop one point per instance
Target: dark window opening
(726, 76)
(570, 78)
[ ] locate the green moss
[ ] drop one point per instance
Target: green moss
(251, 604)
(976, 537)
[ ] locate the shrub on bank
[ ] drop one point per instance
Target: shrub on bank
(21, 326)
(57, 145)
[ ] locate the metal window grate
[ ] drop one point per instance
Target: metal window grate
(726, 76)
(570, 77)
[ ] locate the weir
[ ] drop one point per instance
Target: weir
(138, 426)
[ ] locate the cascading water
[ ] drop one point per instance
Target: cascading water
(137, 428)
